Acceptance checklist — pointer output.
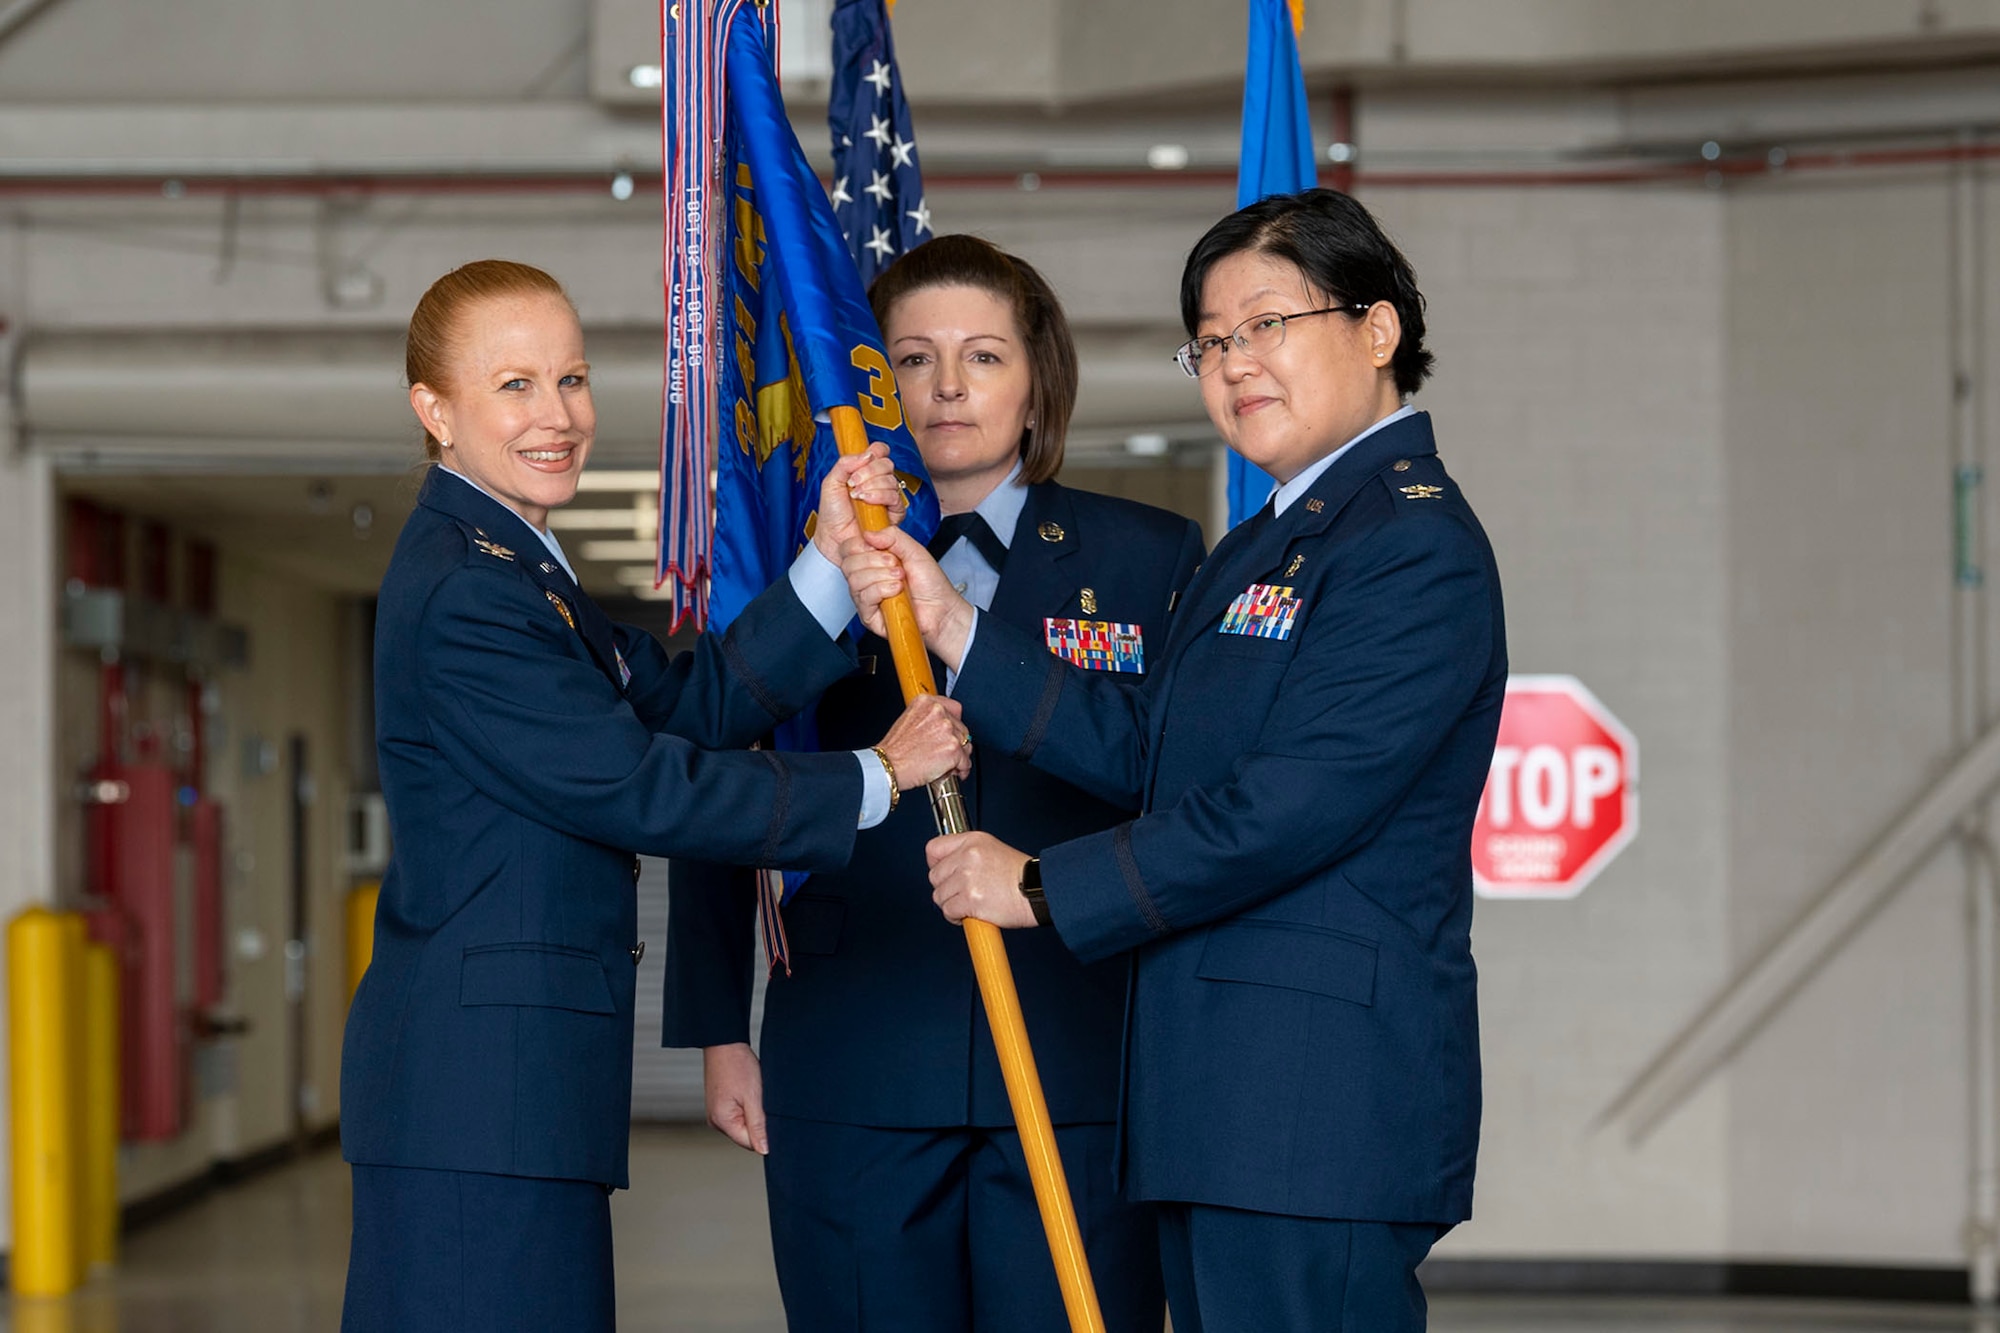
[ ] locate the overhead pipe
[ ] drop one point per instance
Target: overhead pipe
(1724, 166)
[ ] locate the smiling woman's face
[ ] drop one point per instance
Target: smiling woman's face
(515, 413)
(1326, 383)
(962, 371)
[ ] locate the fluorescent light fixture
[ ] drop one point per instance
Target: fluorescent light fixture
(610, 552)
(645, 76)
(1340, 153)
(611, 479)
(634, 576)
(621, 186)
(639, 520)
(1167, 157)
(1147, 444)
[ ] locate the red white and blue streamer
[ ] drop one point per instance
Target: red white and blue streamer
(694, 104)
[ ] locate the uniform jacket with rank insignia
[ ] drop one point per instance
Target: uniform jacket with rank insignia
(880, 1021)
(1309, 751)
(528, 748)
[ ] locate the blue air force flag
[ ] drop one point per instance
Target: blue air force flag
(767, 329)
(799, 339)
(1276, 158)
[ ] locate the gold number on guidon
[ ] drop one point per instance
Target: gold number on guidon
(878, 402)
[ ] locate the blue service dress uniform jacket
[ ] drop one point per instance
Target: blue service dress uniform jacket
(1303, 1037)
(528, 748)
(880, 1021)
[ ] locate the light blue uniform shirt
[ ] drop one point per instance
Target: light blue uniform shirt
(1282, 496)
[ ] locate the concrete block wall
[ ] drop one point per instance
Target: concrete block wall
(1849, 1115)
(1578, 399)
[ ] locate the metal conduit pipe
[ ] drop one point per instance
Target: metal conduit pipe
(1982, 1228)
(1971, 709)
(1696, 170)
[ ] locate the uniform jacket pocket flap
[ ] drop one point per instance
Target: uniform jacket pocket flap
(535, 974)
(1292, 957)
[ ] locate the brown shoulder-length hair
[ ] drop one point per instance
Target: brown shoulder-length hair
(967, 261)
(434, 324)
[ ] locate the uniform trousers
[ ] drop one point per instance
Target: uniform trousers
(461, 1252)
(1227, 1270)
(935, 1230)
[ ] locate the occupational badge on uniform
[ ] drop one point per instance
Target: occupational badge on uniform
(493, 548)
(1088, 597)
(1097, 645)
(624, 672)
(1421, 492)
(1293, 568)
(1262, 611)
(562, 607)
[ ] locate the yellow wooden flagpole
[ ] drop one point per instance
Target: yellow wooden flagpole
(989, 961)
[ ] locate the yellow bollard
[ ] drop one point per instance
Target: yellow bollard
(360, 932)
(43, 1036)
(100, 1092)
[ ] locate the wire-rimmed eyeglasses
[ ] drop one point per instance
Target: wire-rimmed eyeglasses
(1259, 335)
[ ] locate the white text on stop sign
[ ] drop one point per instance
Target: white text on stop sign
(1549, 787)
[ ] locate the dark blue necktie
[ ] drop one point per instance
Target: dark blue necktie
(974, 529)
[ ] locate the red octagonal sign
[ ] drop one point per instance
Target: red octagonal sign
(1562, 796)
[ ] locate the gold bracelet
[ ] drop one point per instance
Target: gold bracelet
(895, 794)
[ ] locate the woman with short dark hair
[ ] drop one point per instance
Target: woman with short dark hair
(899, 1196)
(1301, 1081)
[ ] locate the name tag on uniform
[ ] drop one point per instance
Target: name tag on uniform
(1097, 645)
(1262, 611)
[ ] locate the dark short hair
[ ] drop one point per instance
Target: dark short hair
(1339, 248)
(967, 261)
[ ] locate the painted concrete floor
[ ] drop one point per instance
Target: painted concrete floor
(268, 1255)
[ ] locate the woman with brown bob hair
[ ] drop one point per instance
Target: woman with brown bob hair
(529, 747)
(878, 1103)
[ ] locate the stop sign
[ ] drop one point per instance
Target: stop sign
(1562, 796)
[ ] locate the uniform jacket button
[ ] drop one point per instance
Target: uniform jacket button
(638, 951)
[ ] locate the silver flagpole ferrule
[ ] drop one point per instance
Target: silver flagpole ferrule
(948, 806)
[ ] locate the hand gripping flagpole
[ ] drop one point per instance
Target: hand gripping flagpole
(989, 959)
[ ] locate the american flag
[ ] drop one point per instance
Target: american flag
(878, 188)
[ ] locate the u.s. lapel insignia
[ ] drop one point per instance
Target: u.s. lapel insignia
(547, 567)
(562, 608)
(1315, 505)
(1421, 492)
(493, 548)
(1050, 532)
(1293, 568)
(1089, 599)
